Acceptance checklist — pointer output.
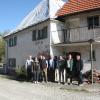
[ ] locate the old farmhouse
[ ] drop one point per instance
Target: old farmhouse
(56, 28)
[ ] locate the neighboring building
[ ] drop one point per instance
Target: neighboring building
(33, 35)
(82, 23)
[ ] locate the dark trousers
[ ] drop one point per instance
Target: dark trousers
(69, 74)
(41, 76)
(80, 77)
(36, 75)
(29, 74)
(51, 75)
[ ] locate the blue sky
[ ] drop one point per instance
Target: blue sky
(13, 11)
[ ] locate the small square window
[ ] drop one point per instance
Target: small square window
(12, 62)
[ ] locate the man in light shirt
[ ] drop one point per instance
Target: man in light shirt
(69, 69)
(29, 64)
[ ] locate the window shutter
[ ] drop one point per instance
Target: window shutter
(45, 32)
(10, 42)
(96, 21)
(90, 22)
(34, 37)
(15, 41)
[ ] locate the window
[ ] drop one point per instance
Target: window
(12, 62)
(45, 32)
(34, 37)
(10, 40)
(40, 36)
(93, 22)
(93, 54)
(66, 35)
(13, 41)
(39, 32)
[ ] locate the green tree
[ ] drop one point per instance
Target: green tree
(2, 48)
(2, 44)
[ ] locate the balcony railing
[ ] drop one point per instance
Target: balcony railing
(80, 34)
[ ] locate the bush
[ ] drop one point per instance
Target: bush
(2, 49)
(21, 73)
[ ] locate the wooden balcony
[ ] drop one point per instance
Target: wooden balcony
(80, 34)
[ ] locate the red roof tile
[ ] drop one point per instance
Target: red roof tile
(76, 6)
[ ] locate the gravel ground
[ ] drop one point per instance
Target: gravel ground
(14, 90)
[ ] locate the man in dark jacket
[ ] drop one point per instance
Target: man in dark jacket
(41, 70)
(51, 69)
(79, 67)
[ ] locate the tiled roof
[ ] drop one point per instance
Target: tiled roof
(76, 6)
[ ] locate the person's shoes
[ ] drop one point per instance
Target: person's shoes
(69, 83)
(80, 85)
(35, 82)
(65, 84)
(46, 81)
(58, 82)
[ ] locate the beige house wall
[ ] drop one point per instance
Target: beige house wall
(79, 20)
(25, 46)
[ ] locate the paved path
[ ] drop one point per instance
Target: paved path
(13, 90)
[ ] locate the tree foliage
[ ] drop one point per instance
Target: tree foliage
(2, 48)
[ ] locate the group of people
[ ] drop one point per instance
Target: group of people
(62, 69)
